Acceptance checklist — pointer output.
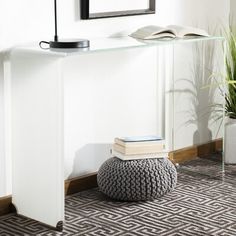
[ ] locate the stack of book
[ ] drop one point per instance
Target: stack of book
(143, 147)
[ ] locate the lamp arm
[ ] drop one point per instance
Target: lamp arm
(55, 15)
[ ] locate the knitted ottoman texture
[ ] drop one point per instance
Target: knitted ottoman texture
(136, 180)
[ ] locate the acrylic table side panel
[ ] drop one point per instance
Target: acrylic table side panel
(107, 95)
(197, 82)
(3, 166)
(37, 137)
(198, 75)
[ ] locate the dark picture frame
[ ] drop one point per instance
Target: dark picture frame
(86, 14)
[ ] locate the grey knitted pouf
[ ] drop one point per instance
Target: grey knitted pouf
(136, 180)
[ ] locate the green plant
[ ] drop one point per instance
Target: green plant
(230, 60)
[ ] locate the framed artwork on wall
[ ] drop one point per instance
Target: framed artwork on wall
(93, 9)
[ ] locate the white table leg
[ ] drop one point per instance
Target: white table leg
(36, 87)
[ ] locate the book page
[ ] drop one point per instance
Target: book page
(152, 32)
(182, 31)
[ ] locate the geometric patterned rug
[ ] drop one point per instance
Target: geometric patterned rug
(202, 205)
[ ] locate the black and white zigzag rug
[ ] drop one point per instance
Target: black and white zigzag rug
(202, 204)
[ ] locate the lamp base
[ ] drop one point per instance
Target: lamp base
(70, 43)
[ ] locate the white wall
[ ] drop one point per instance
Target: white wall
(27, 20)
(118, 99)
(202, 13)
(32, 20)
(233, 11)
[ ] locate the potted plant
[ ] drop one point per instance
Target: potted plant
(230, 99)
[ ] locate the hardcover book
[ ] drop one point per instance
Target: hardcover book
(163, 154)
(139, 149)
(138, 139)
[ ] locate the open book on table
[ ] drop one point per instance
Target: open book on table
(171, 31)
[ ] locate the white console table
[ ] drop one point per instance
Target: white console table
(35, 93)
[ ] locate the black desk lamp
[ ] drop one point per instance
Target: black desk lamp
(66, 43)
